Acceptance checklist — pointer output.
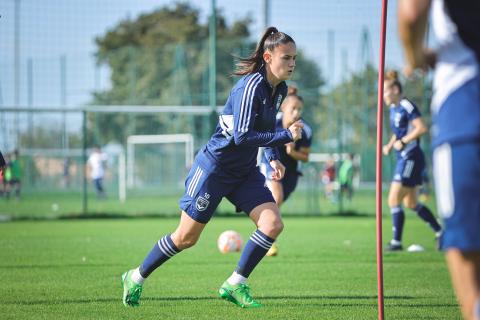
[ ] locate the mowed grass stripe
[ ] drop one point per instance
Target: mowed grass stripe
(325, 269)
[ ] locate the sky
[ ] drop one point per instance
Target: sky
(50, 29)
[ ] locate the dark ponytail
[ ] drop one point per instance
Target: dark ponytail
(391, 76)
(271, 39)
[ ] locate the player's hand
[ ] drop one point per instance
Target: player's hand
(296, 130)
(398, 145)
(289, 147)
(386, 150)
(278, 170)
(426, 59)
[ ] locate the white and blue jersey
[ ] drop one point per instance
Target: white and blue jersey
(227, 166)
(292, 166)
(410, 160)
(456, 121)
(457, 66)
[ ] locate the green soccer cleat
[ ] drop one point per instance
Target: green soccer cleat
(131, 290)
(238, 294)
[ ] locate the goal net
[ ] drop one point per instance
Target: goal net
(157, 163)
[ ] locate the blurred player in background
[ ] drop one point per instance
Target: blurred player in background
(407, 126)
(96, 164)
(345, 177)
(6, 177)
(227, 167)
(290, 154)
(456, 130)
(328, 175)
(16, 173)
(3, 163)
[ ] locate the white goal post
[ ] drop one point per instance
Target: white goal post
(134, 140)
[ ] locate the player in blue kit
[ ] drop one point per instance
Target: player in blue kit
(290, 154)
(407, 126)
(456, 130)
(227, 167)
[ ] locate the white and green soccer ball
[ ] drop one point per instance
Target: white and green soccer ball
(229, 241)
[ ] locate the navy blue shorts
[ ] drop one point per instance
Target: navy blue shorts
(457, 177)
(207, 184)
(408, 170)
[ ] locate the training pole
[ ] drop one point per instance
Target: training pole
(378, 195)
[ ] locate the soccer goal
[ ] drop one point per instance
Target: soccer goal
(62, 170)
(158, 161)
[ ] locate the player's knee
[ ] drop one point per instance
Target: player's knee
(392, 202)
(410, 204)
(273, 228)
(185, 241)
(393, 199)
(278, 226)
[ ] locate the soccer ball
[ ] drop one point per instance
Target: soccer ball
(229, 241)
(273, 251)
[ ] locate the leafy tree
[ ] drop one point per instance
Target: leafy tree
(161, 58)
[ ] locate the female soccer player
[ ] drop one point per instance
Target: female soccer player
(226, 167)
(407, 126)
(291, 153)
(456, 130)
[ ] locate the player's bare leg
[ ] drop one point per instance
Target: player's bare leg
(411, 201)
(465, 273)
(187, 233)
(277, 191)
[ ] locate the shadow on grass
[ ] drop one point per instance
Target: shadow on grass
(322, 300)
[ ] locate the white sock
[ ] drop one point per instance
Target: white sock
(395, 242)
(137, 277)
(236, 278)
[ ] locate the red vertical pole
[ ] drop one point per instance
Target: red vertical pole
(381, 66)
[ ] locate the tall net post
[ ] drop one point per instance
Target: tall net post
(378, 193)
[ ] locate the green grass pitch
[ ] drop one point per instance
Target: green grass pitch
(326, 269)
(41, 205)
